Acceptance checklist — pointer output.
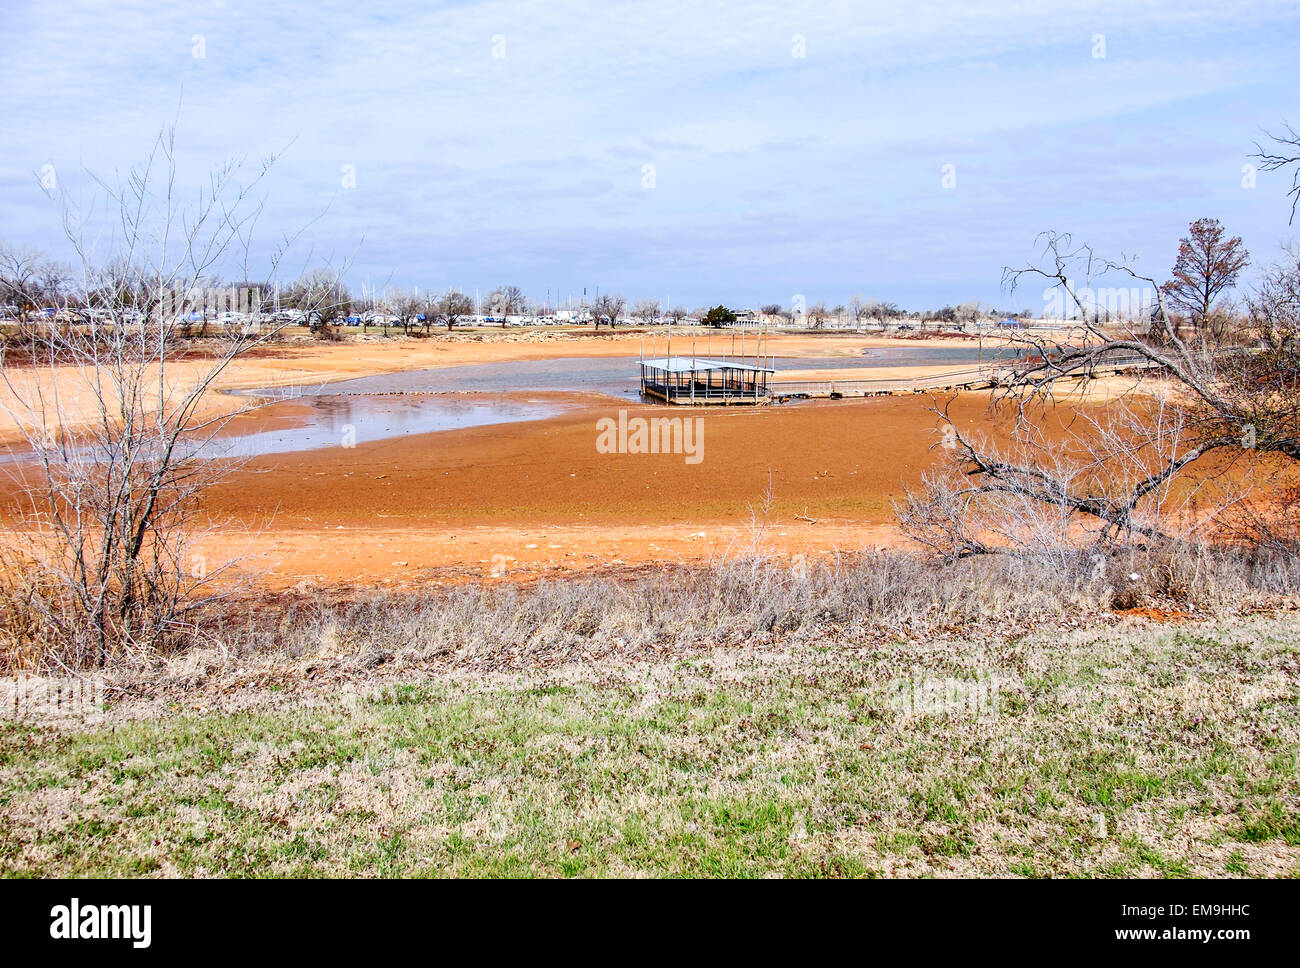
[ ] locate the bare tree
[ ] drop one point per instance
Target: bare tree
(429, 310)
(1274, 307)
(1285, 155)
(1273, 312)
(859, 309)
(29, 281)
(1207, 265)
(818, 314)
(255, 296)
(1094, 479)
(506, 301)
(323, 299)
(607, 309)
(968, 313)
(406, 306)
(676, 314)
(646, 310)
(883, 311)
(452, 307)
(121, 430)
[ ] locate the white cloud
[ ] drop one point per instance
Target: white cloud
(453, 147)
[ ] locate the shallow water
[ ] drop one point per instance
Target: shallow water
(354, 411)
(357, 407)
(616, 377)
(334, 421)
(345, 420)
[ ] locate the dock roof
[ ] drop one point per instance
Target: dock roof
(696, 364)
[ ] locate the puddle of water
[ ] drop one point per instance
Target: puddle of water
(334, 421)
(614, 377)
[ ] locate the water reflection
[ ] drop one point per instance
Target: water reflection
(342, 421)
(334, 421)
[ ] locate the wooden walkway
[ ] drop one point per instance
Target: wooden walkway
(969, 378)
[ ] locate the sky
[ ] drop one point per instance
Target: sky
(744, 153)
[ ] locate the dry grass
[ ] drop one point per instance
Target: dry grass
(746, 722)
(733, 602)
(741, 602)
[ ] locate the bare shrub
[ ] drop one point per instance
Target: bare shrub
(1093, 478)
(1181, 447)
(745, 603)
(116, 418)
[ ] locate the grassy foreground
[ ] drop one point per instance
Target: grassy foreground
(1128, 748)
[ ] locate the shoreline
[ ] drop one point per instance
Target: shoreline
(535, 497)
(302, 362)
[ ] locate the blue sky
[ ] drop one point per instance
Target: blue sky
(773, 174)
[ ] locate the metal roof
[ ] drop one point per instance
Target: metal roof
(687, 364)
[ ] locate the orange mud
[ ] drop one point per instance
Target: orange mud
(527, 499)
(522, 500)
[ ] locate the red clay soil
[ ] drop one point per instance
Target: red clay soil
(537, 498)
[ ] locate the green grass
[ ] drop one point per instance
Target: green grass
(736, 763)
(1274, 821)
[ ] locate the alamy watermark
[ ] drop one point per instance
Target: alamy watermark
(178, 301)
(978, 695)
(75, 921)
(24, 696)
(1131, 303)
(651, 435)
